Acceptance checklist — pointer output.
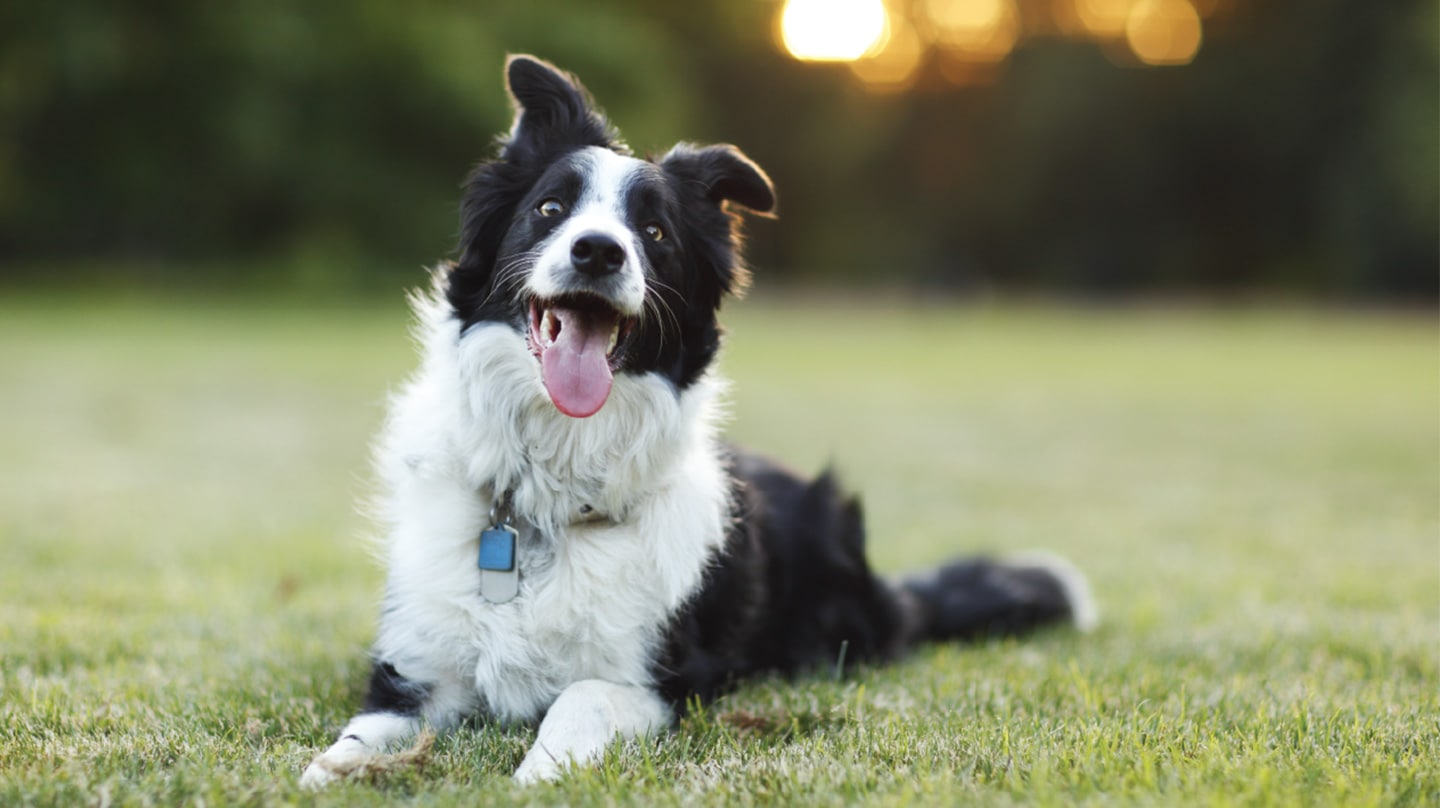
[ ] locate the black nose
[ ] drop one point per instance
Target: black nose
(596, 255)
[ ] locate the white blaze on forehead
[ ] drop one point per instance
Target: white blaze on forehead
(605, 179)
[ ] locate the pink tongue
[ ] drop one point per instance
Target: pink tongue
(575, 369)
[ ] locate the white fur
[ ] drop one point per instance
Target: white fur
(595, 593)
(584, 720)
(363, 738)
(599, 210)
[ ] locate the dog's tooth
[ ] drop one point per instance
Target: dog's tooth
(614, 340)
(547, 328)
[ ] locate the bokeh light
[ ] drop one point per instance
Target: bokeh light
(895, 66)
(1104, 18)
(1164, 32)
(981, 30)
(898, 44)
(965, 18)
(831, 30)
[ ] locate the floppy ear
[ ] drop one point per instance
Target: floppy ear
(553, 113)
(724, 173)
(710, 178)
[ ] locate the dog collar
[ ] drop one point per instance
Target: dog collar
(498, 560)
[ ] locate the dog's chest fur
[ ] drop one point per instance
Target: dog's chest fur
(619, 516)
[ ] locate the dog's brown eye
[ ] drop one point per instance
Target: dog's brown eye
(654, 232)
(551, 207)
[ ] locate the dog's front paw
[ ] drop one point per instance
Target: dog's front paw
(539, 766)
(334, 764)
(317, 776)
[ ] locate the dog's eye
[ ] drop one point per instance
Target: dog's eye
(654, 232)
(551, 207)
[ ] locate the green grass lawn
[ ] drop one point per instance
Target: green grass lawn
(185, 602)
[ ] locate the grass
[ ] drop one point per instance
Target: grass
(1256, 496)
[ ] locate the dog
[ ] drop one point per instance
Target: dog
(568, 539)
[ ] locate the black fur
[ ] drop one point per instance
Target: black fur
(982, 598)
(390, 692)
(793, 592)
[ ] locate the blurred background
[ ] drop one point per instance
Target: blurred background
(1077, 148)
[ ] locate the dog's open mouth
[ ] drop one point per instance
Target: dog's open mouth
(578, 340)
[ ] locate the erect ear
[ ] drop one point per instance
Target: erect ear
(553, 112)
(553, 115)
(724, 173)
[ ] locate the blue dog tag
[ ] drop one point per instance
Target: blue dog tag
(497, 549)
(499, 577)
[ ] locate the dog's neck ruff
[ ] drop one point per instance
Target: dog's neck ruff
(506, 434)
(499, 557)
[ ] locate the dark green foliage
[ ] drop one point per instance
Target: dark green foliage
(322, 144)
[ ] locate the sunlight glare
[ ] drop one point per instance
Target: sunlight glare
(831, 30)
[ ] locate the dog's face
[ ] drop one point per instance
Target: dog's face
(603, 263)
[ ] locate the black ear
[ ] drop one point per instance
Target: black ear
(725, 174)
(553, 115)
(553, 112)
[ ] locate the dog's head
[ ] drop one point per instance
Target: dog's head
(604, 263)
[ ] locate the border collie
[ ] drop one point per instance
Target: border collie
(568, 539)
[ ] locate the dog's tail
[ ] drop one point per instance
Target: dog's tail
(982, 598)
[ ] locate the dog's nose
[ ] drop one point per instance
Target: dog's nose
(597, 255)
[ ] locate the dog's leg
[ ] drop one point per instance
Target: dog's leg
(395, 709)
(367, 736)
(585, 719)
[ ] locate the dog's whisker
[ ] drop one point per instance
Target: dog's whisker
(662, 311)
(510, 274)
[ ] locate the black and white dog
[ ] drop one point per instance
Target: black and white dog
(568, 537)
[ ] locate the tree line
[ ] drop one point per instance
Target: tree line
(274, 144)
